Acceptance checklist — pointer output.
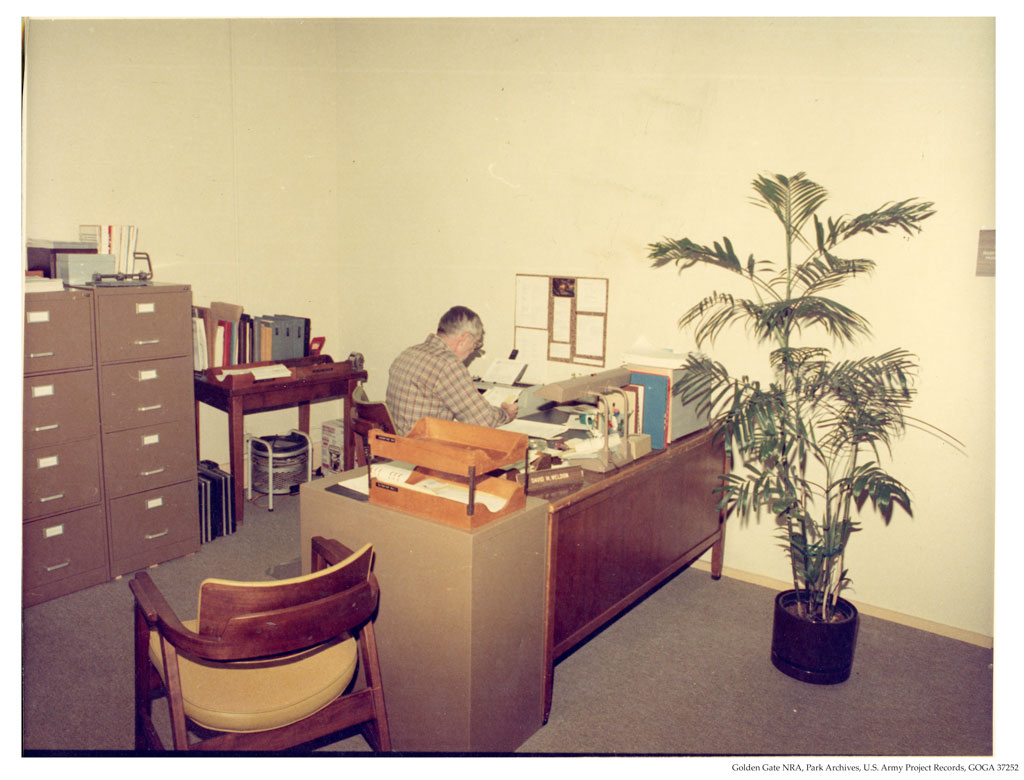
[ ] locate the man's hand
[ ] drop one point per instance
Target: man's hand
(511, 409)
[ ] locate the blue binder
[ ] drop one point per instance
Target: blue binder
(656, 396)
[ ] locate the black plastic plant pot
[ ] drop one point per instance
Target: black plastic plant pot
(813, 651)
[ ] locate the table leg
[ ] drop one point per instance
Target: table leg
(304, 417)
(718, 552)
(236, 443)
(348, 459)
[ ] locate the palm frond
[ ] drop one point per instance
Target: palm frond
(793, 199)
(906, 215)
(685, 253)
(840, 322)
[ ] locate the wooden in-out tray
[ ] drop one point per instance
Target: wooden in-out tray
(457, 453)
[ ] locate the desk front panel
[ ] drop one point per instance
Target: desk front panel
(628, 533)
(460, 627)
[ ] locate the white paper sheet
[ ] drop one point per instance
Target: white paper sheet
(591, 295)
(538, 430)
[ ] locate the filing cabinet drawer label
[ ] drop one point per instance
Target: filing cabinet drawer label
(147, 307)
(53, 530)
(148, 440)
(48, 462)
(147, 374)
(36, 317)
(155, 503)
(42, 391)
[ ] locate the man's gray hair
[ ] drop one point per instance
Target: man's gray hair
(459, 319)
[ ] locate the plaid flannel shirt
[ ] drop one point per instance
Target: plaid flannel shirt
(429, 380)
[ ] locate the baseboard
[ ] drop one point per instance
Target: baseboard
(951, 632)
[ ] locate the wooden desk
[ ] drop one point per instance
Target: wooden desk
(624, 533)
(609, 543)
(273, 394)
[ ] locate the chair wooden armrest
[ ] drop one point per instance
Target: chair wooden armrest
(327, 552)
(153, 604)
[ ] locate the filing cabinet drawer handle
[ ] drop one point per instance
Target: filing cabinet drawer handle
(58, 565)
(51, 427)
(150, 537)
(146, 342)
(51, 498)
(40, 354)
(152, 408)
(151, 472)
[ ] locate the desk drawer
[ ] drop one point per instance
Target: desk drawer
(145, 393)
(59, 407)
(144, 325)
(58, 331)
(143, 523)
(60, 478)
(145, 458)
(64, 546)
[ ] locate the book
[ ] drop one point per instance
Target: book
(291, 337)
(42, 284)
(676, 418)
(657, 390)
(635, 398)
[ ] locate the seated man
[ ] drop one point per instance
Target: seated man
(431, 379)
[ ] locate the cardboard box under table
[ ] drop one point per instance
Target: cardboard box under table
(461, 622)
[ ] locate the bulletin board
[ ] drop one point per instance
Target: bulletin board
(562, 318)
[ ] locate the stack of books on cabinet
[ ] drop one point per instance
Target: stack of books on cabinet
(109, 450)
(224, 335)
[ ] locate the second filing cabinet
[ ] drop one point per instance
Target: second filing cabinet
(147, 423)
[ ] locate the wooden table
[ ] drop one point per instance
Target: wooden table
(315, 378)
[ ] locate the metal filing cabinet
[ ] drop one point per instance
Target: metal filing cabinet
(147, 419)
(64, 534)
(109, 451)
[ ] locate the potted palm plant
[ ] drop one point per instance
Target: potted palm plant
(808, 445)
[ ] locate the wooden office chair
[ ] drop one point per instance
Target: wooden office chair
(366, 416)
(266, 665)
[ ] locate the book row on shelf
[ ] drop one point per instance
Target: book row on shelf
(224, 335)
(121, 241)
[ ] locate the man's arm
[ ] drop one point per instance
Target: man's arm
(456, 389)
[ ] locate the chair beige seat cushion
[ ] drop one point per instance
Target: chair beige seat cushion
(259, 695)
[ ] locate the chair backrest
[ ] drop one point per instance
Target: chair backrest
(370, 414)
(255, 619)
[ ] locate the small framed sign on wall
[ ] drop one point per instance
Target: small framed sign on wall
(563, 318)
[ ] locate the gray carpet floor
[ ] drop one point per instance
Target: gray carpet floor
(685, 672)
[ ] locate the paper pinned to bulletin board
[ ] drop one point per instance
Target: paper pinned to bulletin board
(562, 318)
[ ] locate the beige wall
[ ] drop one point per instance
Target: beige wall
(369, 173)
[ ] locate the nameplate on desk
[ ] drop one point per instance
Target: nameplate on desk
(552, 477)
